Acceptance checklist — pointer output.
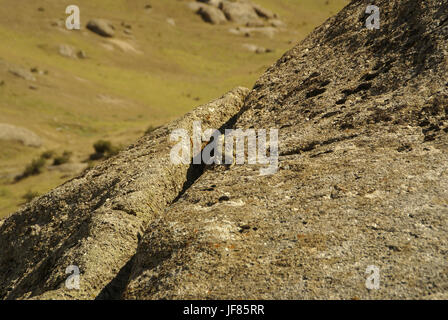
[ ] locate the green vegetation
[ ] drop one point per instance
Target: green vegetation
(64, 158)
(34, 168)
(150, 129)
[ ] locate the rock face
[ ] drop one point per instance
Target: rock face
(240, 12)
(212, 15)
(362, 181)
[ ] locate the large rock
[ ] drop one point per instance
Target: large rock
(11, 133)
(269, 32)
(255, 49)
(241, 12)
(102, 27)
(212, 15)
(263, 12)
(363, 176)
(69, 51)
(195, 6)
(362, 182)
(215, 3)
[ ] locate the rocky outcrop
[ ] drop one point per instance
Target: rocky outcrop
(96, 220)
(211, 14)
(362, 181)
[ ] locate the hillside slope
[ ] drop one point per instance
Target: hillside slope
(362, 181)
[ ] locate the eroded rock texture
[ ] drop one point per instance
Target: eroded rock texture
(362, 180)
(96, 220)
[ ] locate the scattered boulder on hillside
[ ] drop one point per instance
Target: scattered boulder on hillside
(148, 8)
(9, 132)
(22, 73)
(212, 15)
(101, 27)
(263, 13)
(362, 177)
(171, 22)
(124, 46)
(269, 32)
(195, 6)
(69, 168)
(241, 12)
(39, 71)
(71, 52)
(60, 23)
(277, 23)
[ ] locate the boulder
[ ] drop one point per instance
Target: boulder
(277, 23)
(195, 6)
(22, 73)
(361, 185)
(263, 13)
(212, 15)
(362, 179)
(255, 49)
(67, 51)
(101, 27)
(269, 32)
(242, 13)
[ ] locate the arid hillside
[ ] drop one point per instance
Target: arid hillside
(361, 185)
